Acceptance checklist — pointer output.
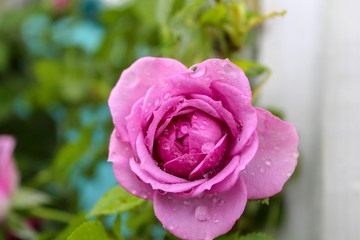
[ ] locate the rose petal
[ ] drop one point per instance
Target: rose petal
(134, 83)
(204, 129)
(182, 166)
(167, 150)
(120, 154)
(211, 161)
(148, 164)
(159, 115)
(241, 108)
(134, 123)
(221, 70)
(275, 159)
(237, 163)
(201, 218)
(223, 113)
(181, 187)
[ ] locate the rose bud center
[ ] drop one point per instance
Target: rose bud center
(191, 146)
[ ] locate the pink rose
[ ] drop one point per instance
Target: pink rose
(190, 140)
(8, 173)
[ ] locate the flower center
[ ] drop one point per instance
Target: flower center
(191, 146)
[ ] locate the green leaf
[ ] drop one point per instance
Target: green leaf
(265, 201)
(115, 201)
(256, 236)
(27, 198)
(251, 69)
(89, 231)
(75, 223)
(215, 15)
(51, 214)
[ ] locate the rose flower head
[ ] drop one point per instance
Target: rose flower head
(8, 173)
(190, 140)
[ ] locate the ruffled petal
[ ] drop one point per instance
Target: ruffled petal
(120, 154)
(276, 158)
(205, 217)
(134, 83)
(240, 106)
(208, 166)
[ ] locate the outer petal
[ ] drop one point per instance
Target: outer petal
(240, 106)
(134, 83)
(275, 159)
(120, 154)
(224, 71)
(201, 218)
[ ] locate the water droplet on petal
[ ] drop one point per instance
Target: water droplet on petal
(202, 213)
(202, 127)
(288, 174)
(262, 170)
(157, 101)
(268, 163)
(207, 147)
(163, 192)
(197, 71)
(166, 146)
(167, 95)
(187, 202)
(215, 218)
(295, 155)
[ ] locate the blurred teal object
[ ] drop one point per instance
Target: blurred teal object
(34, 32)
(84, 34)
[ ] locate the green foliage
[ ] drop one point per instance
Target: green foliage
(89, 231)
(27, 198)
(115, 201)
(256, 236)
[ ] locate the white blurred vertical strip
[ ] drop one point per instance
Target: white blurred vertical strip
(341, 121)
(291, 48)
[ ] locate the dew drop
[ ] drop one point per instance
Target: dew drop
(166, 146)
(202, 127)
(295, 155)
(207, 147)
(157, 101)
(167, 95)
(215, 218)
(262, 170)
(238, 138)
(202, 213)
(217, 201)
(288, 174)
(134, 192)
(268, 162)
(187, 202)
(162, 192)
(197, 71)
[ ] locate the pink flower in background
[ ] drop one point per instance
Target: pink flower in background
(61, 4)
(8, 173)
(190, 140)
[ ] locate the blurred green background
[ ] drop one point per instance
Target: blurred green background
(58, 63)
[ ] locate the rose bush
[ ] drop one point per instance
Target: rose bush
(8, 173)
(191, 141)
